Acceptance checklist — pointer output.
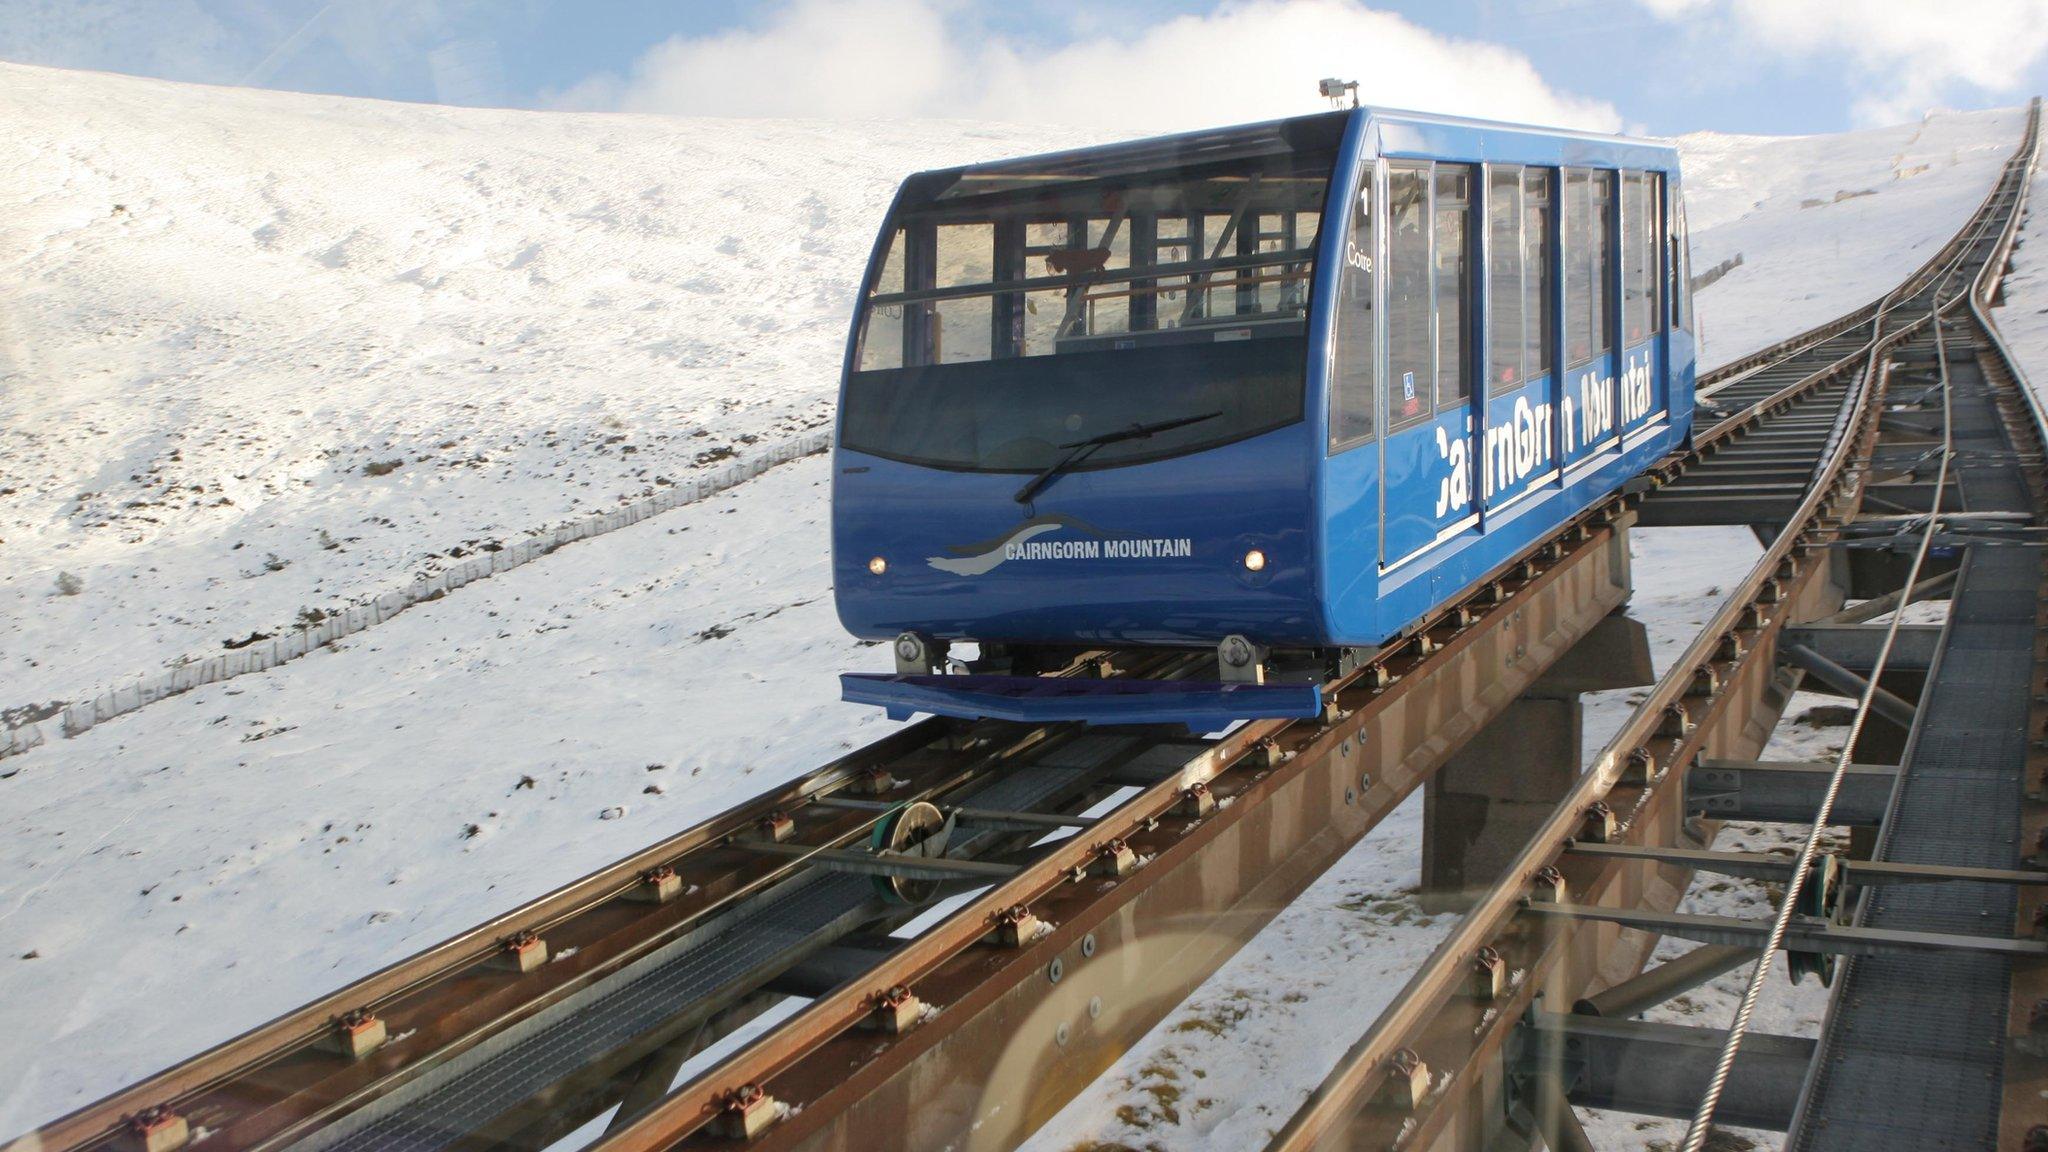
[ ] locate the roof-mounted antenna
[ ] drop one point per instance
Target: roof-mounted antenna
(1335, 90)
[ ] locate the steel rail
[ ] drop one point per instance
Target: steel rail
(306, 1026)
(699, 1103)
(2025, 1070)
(1253, 768)
(309, 1025)
(1368, 1063)
(1802, 868)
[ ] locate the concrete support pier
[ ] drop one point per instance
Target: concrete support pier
(1482, 806)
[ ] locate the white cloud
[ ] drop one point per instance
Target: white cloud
(1908, 53)
(866, 58)
(1248, 60)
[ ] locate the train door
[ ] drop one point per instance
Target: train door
(1643, 356)
(1588, 412)
(1351, 492)
(1679, 260)
(1426, 461)
(1680, 340)
(1517, 451)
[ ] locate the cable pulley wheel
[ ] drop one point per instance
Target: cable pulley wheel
(916, 829)
(1818, 899)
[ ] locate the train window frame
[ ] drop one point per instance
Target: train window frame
(1241, 265)
(1598, 266)
(1605, 258)
(1426, 169)
(1680, 240)
(1514, 237)
(1533, 347)
(1654, 196)
(1466, 344)
(1575, 194)
(1545, 291)
(1362, 237)
(1641, 257)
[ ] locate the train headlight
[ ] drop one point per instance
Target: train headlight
(878, 565)
(1255, 561)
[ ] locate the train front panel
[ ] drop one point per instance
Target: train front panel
(1077, 405)
(1179, 551)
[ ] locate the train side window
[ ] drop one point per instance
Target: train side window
(1578, 266)
(881, 343)
(1045, 241)
(1410, 350)
(1356, 348)
(1291, 286)
(1453, 284)
(1507, 367)
(966, 255)
(1101, 313)
(1639, 261)
(1539, 240)
(1600, 252)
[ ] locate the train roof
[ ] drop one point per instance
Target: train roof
(1473, 123)
(1317, 128)
(1405, 133)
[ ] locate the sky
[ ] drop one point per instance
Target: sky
(1660, 67)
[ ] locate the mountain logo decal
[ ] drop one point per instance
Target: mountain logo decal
(1023, 543)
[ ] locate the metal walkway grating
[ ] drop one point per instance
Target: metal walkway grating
(1911, 1055)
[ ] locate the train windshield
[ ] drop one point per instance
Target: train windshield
(1022, 307)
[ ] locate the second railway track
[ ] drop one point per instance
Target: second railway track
(1465, 1057)
(1105, 874)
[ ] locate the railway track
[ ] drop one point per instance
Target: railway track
(1097, 877)
(1463, 1056)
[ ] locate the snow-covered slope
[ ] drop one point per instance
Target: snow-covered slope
(1853, 204)
(226, 309)
(2023, 319)
(219, 307)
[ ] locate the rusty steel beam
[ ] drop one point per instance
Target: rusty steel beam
(1020, 1029)
(1654, 986)
(1659, 1069)
(289, 1073)
(1438, 1019)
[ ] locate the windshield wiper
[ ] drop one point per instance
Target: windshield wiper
(1080, 450)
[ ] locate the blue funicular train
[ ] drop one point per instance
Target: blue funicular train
(1276, 390)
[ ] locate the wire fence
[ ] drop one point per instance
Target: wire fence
(263, 655)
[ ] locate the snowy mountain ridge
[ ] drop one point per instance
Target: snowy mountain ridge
(292, 348)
